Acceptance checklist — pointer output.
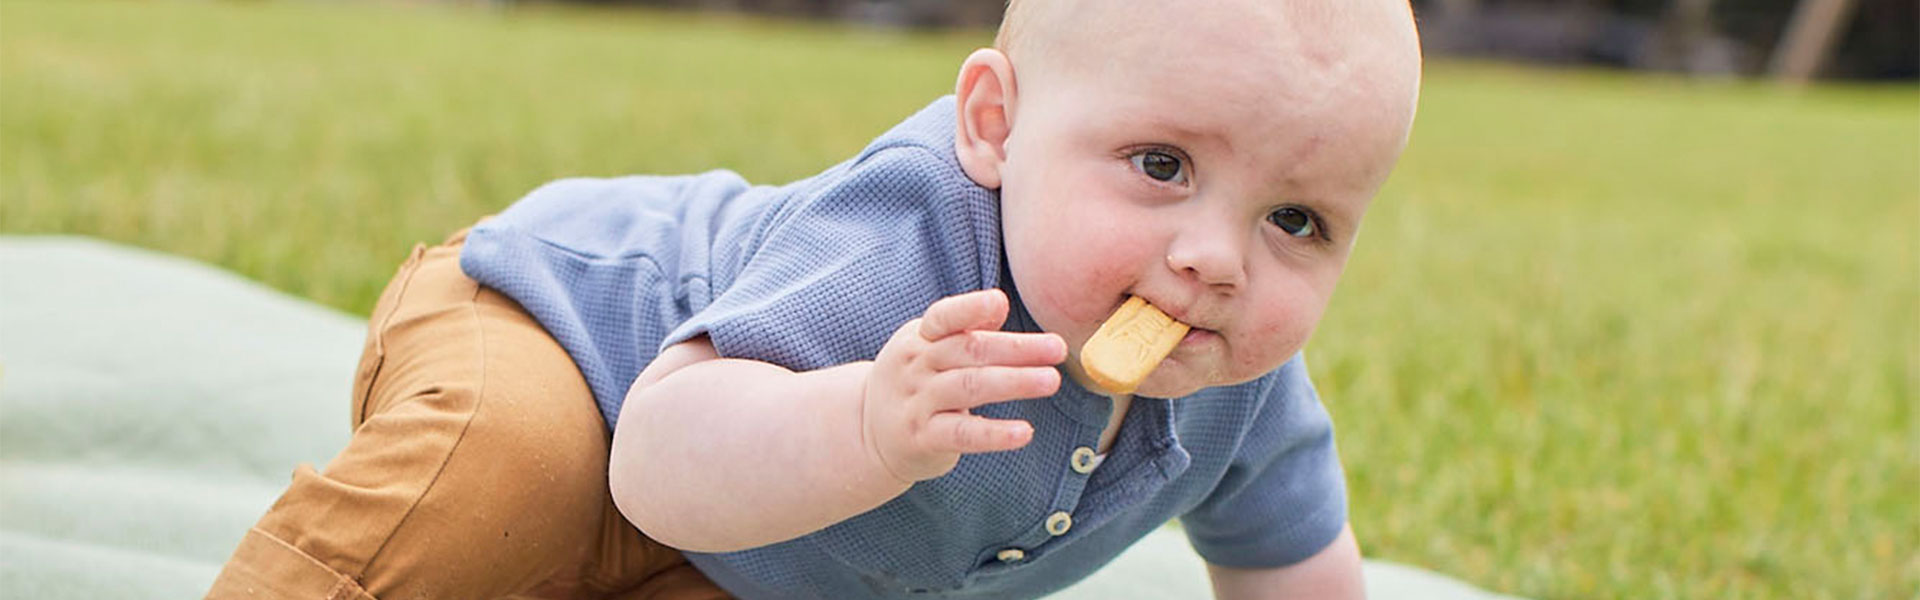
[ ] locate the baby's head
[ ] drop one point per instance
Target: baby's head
(1212, 157)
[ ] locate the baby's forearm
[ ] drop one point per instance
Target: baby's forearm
(723, 454)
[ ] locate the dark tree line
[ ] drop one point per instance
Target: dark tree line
(1872, 39)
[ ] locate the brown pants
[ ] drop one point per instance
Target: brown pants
(477, 469)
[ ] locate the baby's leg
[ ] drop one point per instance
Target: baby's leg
(477, 469)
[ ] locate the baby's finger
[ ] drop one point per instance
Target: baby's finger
(963, 433)
(981, 348)
(984, 309)
(961, 389)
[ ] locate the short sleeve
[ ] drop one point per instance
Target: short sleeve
(842, 266)
(1284, 496)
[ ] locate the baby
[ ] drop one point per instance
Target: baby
(867, 384)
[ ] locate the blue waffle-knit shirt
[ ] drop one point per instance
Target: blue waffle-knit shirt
(820, 272)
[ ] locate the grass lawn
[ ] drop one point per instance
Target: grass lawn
(1605, 335)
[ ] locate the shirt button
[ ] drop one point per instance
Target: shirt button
(1058, 523)
(1011, 555)
(1083, 460)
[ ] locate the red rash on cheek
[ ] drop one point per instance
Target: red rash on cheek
(1273, 342)
(1100, 290)
(1068, 300)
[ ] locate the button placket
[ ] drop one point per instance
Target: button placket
(1058, 521)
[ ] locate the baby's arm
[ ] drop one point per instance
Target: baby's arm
(714, 454)
(1332, 573)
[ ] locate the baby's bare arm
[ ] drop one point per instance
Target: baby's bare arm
(714, 454)
(1333, 573)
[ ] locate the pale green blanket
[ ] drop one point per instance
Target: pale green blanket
(151, 408)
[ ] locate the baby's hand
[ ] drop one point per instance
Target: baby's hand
(914, 416)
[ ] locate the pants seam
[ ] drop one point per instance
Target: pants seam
(411, 268)
(479, 397)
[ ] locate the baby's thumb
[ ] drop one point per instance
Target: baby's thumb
(984, 309)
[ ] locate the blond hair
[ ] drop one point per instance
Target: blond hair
(1012, 25)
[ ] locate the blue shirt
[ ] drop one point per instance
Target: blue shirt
(820, 272)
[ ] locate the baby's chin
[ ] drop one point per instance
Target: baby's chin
(1182, 376)
(1155, 389)
(1169, 380)
(1175, 380)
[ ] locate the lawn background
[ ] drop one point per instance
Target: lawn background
(1605, 335)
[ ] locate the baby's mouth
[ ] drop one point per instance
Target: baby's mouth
(1130, 344)
(1195, 333)
(1196, 336)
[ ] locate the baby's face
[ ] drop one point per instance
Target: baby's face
(1214, 158)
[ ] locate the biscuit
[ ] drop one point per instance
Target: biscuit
(1129, 345)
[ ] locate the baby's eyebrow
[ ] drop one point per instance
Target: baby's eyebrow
(1186, 134)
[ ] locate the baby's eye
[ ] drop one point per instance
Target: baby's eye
(1296, 222)
(1161, 166)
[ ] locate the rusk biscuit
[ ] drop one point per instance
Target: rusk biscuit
(1129, 345)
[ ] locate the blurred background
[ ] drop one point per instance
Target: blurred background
(1873, 39)
(1638, 316)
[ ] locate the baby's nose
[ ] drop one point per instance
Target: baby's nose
(1214, 260)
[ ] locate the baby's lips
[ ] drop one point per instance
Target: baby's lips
(1129, 344)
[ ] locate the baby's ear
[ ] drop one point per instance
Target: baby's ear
(984, 94)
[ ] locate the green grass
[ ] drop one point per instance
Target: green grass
(1605, 335)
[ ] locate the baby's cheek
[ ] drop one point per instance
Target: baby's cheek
(1272, 343)
(1087, 290)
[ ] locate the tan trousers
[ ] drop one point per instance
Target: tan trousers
(477, 469)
